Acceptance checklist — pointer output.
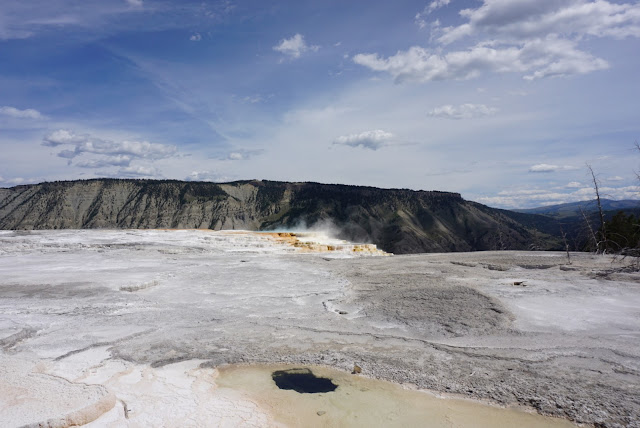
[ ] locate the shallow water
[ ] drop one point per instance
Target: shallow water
(362, 402)
(302, 381)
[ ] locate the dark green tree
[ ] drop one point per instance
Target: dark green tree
(624, 234)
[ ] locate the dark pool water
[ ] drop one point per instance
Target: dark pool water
(302, 381)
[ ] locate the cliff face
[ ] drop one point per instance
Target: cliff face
(398, 221)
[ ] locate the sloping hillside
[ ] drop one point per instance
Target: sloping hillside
(397, 220)
(578, 220)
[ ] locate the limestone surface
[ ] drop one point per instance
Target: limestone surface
(132, 326)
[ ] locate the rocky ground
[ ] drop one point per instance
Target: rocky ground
(509, 326)
(147, 316)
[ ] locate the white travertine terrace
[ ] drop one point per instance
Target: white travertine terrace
(56, 367)
(134, 327)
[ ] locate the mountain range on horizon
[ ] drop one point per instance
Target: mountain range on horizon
(397, 220)
(575, 208)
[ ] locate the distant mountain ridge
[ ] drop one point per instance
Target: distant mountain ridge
(397, 220)
(573, 208)
(577, 220)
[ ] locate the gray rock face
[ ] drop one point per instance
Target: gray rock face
(397, 220)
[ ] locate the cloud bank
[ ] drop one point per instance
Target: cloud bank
(551, 56)
(510, 21)
(88, 144)
(103, 153)
(535, 38)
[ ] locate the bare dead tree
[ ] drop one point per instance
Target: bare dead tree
(566, 244)
(590, 228)
(602, 244)
(500, 238)
(637, 148)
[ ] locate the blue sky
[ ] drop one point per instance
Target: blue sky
(503, 101)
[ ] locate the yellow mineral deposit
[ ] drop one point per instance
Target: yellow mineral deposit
(318, 242)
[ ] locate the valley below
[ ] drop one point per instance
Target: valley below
(128, 327)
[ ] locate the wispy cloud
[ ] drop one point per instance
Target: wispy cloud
(21, 114)
(19, 20)
(464, 111)
(195, 37)
(241, 154)
(372, 140)
(13, 181)
(421, 17)
(139, 171)
(437, 4)
(255, 98)
(207, 176)
(543, 167)
(295, 46)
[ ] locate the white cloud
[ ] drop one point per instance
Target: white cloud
(437, 4)
(255, 99)
(87, 144)
(543, 167)
(574, 185)
(420, 21)
(538, 38)
(135, 3)
(540, 57)
(62, 136)
(295, 46)
(420, 17)
(464, 111)
(20, 114)
(526, 19)
(195, 37)
(99, 153)
(104, 162)
(241, 154)
(372, 140)
(206, 176)
(139, 171)
(13, 181)
(615, 178)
